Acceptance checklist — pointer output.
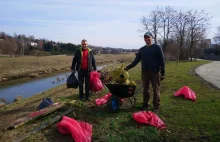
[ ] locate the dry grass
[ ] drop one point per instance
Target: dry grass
(24, 66)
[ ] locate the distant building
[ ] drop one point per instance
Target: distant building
(208, 41)
(106, 51)
(98, 52)
(33, 44)
(40, 44)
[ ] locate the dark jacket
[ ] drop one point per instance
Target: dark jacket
(152, 59)
(77, 59)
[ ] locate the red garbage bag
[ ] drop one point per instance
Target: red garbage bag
(95, 82)
(186, 92)
(80, 131)
(103, 100)
(149, 118)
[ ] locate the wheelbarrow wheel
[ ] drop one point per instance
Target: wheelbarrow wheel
(113, 104)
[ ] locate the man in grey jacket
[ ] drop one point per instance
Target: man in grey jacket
(153, 70)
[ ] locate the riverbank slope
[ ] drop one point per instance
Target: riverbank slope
(30, 66)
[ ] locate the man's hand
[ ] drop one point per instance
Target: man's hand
(162, 77)
(126, 69)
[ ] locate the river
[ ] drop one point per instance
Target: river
(28, 87)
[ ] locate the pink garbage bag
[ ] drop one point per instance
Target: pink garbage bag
(149, 118)
(95, 82)
(103, 100)
(186, 92)
(80, 131)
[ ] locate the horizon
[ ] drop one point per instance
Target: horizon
(112, 24)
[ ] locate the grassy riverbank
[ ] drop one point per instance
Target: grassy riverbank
(186, 120)
(30, 66)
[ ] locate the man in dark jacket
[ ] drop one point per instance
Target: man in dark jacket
(83, 62)
(153, 70)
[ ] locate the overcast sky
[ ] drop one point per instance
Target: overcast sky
(112, 23)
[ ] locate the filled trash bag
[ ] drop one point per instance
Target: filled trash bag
(103, 100)
(80, 131)
(95, 82)
(45, 103)
(186, 92)
(149, 118)
(72, 81)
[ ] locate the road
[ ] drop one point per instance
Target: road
(210, 72)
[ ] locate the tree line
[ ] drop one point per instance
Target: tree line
(21, 44)
(181, 34)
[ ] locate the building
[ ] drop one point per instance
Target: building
(33, 44)
(208, 42)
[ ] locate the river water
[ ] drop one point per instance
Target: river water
(27, 87)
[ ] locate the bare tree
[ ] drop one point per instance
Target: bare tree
(20, 48)
(31, 38)
(167, 18)
(23, 39)
(1, 43)
(3, 35)
(152, 24)
(218, 31)
(180, 28)
(9, 46)
(198, 24)
(183, 29)
(200, 48)
(216, 38)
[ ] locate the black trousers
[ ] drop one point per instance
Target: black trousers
(83, 76)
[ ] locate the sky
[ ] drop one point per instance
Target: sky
(106, 23)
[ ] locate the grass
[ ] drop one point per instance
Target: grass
(186, 120)
(24, 66)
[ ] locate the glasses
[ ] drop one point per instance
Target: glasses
(83, 44)
(147, 37)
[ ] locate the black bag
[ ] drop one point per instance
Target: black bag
(72, 81)
(45, 103)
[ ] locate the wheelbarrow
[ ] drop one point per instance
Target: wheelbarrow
(119, 92)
